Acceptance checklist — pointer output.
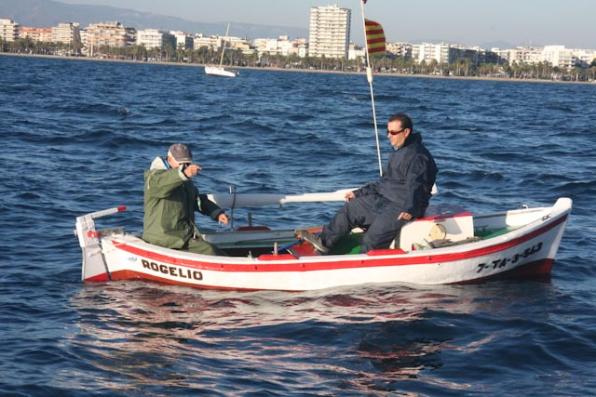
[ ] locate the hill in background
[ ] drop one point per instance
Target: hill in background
(46, 13)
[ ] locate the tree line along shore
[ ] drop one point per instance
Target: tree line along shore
(383, 65)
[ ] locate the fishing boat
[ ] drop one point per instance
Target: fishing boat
(447, 246)
(220, 71)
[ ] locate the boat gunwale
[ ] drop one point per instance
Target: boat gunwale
(331, 262)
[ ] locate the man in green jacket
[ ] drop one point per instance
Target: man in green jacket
(171, 200)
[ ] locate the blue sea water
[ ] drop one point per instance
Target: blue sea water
(76, 137)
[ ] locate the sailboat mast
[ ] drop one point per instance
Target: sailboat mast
(223, 45)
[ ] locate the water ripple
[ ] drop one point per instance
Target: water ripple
(498, 146)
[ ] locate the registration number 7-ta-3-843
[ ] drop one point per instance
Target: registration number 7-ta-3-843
(501, 263)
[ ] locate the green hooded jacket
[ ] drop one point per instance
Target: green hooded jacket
(171, 200)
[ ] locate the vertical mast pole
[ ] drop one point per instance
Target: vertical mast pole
(223, 45)
(369, 77)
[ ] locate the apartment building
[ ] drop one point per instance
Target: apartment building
(154, 38)
(403, 50)
(66, 33)
(428, 52)
(9, 30)
(265, 46)
(559, 56)
(237, 43)
(585, 57)
(355, 52)
(35, 34)
(216, 42)
(201, 40)
(299, 47)
(281, 46)
(107, 34)
(329, 31)
(555, 55)
(184, 41)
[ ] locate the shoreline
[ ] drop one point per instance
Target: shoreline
(289, 70)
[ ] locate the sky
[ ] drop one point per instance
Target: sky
(474, 22)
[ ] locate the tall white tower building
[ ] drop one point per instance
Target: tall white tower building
(329, 33)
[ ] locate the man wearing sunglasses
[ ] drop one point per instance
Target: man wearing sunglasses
(384, 206)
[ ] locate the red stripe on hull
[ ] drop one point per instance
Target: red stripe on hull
(345, 263)
(535, 270)
(100, 278)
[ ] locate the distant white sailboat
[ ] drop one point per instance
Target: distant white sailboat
(219, 70)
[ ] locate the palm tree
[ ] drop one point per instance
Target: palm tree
(433, 67)
(139, 53)
(592, 72)
(168, 50)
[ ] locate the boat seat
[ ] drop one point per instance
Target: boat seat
(442, 224)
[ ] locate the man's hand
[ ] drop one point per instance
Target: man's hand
(192, 170)
(349, 196)
(223, 219)
(405, 216)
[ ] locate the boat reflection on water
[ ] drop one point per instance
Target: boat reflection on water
(369, 338)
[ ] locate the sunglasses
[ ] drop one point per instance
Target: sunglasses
(393, 133)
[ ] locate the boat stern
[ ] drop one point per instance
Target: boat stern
(94, 267)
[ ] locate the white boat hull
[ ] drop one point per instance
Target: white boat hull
(529, 250)
(218, 71)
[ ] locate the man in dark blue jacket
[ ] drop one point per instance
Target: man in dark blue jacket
(384, 206)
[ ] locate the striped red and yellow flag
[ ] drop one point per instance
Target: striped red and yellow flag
(375, 37)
